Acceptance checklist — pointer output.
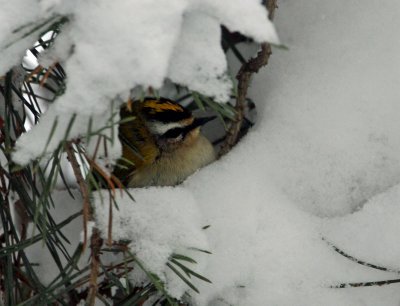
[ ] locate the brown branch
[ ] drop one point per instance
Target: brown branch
(107, 178)
(244, 75)
(95, 247)
(110, 218)
(83, 187)
(111, 180)
(271, 6)
(95, 239)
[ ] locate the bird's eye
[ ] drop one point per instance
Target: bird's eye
(173, 133)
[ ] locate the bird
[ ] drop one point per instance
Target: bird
(161, 143)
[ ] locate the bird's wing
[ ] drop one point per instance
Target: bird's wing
(136, 154)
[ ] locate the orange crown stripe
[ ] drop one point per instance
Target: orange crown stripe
(160, 106)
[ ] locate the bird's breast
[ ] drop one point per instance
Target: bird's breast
(171, 168)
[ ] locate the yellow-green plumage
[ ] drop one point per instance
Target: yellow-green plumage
(154, 164)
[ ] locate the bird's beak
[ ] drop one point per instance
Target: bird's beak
(201, 121)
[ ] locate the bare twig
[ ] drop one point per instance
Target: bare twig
(95, 239)
(363, 263)
(83, 187)
(111, 181)
(95, 247)
(367, 284)
(110, 218)
(271, 6)
(244, 75)
(94, 166)
(360, 262)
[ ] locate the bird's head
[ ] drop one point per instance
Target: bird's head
(170, 124)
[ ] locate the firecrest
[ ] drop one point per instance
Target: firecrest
(162, 145)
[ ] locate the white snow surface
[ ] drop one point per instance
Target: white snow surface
(161, 222)
(329, 106)
(13, 15)
(369, 234)
(109, 48)
(322, 162)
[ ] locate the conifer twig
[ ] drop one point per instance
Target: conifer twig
(95, 239)
(244, 75)
(69, 149)
(95, 247)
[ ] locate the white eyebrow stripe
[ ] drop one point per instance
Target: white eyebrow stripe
(159, 128)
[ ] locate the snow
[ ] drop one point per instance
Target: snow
(328, 138)
(161, 222)
(240, 16)
(266, 250)
(206, 73)
(330, 103)
(14, 15)
(110, 48)
(322, 162)
(370, 234)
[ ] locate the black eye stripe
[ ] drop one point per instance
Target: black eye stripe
(173, 133)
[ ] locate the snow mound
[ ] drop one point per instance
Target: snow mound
(371, 234)
(113, 47)
(159, 223)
